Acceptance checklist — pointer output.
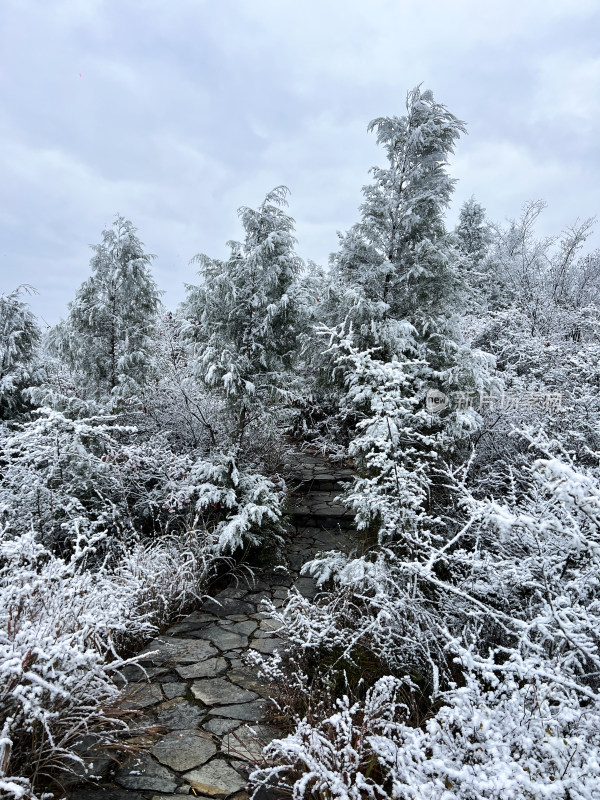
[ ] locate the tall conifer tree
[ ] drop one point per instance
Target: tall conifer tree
(397, 264)
(108, 333)
(242, 316)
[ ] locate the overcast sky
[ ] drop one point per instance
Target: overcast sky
(176, 112)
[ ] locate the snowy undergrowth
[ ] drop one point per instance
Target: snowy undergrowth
(104, 539)
(502, 738)
(63, 633)
(66, 478)
(498, 622)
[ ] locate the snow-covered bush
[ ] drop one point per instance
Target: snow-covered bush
(64, 633)
(176, 405)
(495, 738)
(69, 480)
(496, 619)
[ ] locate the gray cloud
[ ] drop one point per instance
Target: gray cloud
(185, 111)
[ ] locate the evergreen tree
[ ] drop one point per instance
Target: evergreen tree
(397, 279)
(243, 315)
(474, 237)
(108, 333)
(19, 339)
(473, 230)
(398, 262)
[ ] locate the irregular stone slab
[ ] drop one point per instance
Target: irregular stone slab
(279, 577)
(258, 597)
(280, 593)
(268, 646)
(143, 773)
(204, 669)
(143, 696)
(248, 679)
(234, 592)
(260, 634)
(248, 712)
(106, 794)
(184, 750)
(248, 743)
(135, 672)
(189, 629)
(217, 691)
(146, 740)
(307, 587)
(179, 651)
(200, 617)
(97, 762)
(221, 726)
(233, 655)
(223, 639)
(269, 624)
(216, 779)
(179, 714)
(228, 607)
(296, 561)
(246, 628)
(172, 690)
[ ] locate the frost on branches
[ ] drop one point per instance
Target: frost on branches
(242, 317)
(504, 615)
(454, 655)
(108, 332)
(62, 629)
(19, 340)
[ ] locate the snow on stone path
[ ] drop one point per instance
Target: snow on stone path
(210, 707)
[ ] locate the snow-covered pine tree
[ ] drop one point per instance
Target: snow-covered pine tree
(19, 339)
(242, 315)
(397, 280)
(474, 236)
(109, 330)
(398, 262)
(473, 230)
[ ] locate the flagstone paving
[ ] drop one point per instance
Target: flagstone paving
(208, 708)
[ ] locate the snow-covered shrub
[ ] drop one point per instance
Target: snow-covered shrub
(56, 479)
(497, 619)
(72, 478)
(496, 738)
(65, 632)
(176, 405)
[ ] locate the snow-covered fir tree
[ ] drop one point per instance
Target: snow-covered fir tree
(398, 288)
(19, 339)
(242, 317)
(473, 230)
(399, 263)
(108, 334)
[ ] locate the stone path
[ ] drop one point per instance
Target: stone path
(208, 707)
